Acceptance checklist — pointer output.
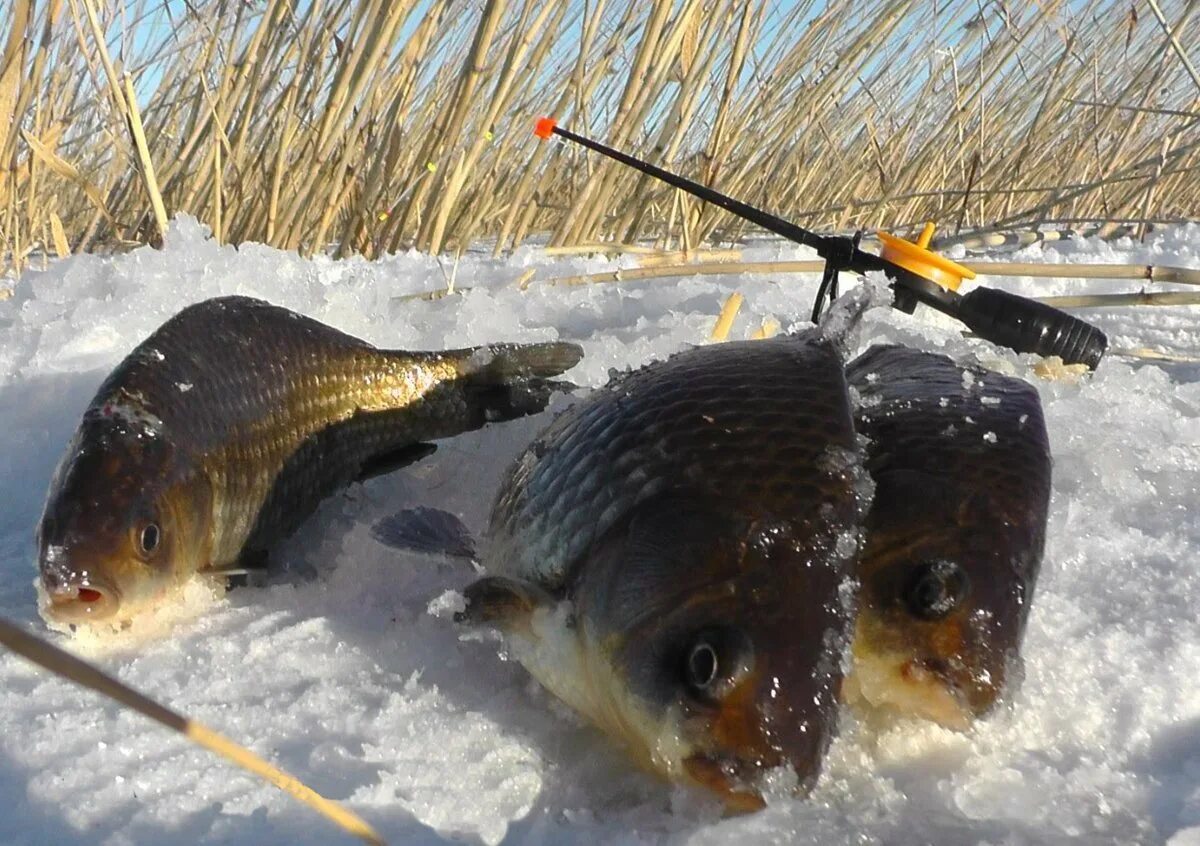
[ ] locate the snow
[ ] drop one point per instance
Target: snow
(348, 672)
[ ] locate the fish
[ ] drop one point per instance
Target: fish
(671, 557)
(954, 537)
(223, 430)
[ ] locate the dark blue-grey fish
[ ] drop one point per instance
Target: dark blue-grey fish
(961, 463)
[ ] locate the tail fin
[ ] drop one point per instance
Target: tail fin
(504, 362)
(513, 399)
(487, 384)
(506, 381)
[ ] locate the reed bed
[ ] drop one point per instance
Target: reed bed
(370, 126)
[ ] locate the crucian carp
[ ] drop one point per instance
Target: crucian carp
(672, 557)
(954, 539)
(703, 556)
(221, 432)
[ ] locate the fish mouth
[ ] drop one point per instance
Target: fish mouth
(913, 687)
(724, 777)
(84, 601)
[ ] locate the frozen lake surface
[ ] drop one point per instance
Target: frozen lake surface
(339, 673)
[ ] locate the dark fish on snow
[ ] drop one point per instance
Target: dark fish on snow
(961, 464)
(670, 558)
(225, 428)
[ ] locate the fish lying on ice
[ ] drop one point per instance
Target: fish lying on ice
(670, 558)
(961, 464)
(225, 428)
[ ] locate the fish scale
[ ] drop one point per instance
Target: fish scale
(242, 416)
(915, 399)
(717, 419)
(249, 440)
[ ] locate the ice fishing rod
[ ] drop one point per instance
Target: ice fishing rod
(917, 274)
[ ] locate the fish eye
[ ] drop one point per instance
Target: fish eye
(702, 665)
(714, 661)
(149, 538)
(935, 589)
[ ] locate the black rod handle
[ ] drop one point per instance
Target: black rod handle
(1026, 325)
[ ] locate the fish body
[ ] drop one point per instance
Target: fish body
(670, 558)
(954, 538)
(226, 427)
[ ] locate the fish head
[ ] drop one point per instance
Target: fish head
(945, 594)
(122, 523)
(723, 639)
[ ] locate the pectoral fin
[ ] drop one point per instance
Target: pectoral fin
(429, 531)
(507, 604)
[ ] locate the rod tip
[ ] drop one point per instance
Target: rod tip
(545, 127)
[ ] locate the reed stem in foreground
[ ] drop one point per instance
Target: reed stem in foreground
(62, 663)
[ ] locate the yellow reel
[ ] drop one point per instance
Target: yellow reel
(918, 258)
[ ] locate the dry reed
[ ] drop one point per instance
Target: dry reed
(725, 319)
(62, 663)
(1152, 273)
(367, 127)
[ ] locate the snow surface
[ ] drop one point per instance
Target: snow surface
(348, 672)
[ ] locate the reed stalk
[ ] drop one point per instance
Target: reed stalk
(363, 128)
(78, 672)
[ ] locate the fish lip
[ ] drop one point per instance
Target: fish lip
(976, 693)
(947, 702)
(74, 602)
(722, 775)
(922, 688)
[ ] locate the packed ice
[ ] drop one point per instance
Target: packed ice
(347, 670)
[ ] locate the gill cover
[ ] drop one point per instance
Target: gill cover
(120, 516)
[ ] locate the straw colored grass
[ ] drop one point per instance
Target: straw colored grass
(732, 266)
(725, 319)
(373, 126)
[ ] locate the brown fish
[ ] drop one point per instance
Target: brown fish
(670, 558)
(961, 464)
(224, 429)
